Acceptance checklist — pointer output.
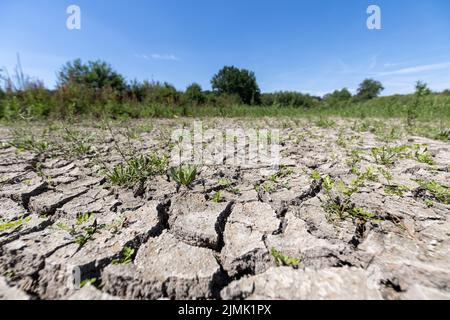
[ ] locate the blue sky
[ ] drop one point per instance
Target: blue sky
(312, 46)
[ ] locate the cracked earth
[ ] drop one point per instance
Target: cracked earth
(62, 220)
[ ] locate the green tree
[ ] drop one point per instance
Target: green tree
(339, 95)
(369, 89)
(422, 89)
(194, 94)
(96, 75)
(231, 80)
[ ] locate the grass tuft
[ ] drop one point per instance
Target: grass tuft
(136, 170)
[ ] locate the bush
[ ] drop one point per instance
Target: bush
(163, 94)
(369, 89)
(289, 99)
(154, 93)
(422, 89)
(194, 94)
(234, 81)
(22, 96)
(96, 75)
(338, 97)
(83, 86)
(34, 102)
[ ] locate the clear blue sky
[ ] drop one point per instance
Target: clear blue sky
(312, 46)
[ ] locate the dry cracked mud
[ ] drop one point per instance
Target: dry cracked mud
(351, 213)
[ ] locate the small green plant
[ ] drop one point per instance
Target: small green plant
(396, 190)
(361, 214)
(283, 260)
(282, 173)
(328, 184)
(116, 225)
(386, 174)
(355, 157)
(391, 188)
(136, 170)
(13, 224)
(286, 185)
(77, 143)
(285, 172)
(274, 178)
(443, 135)
(87, 235)
(363, 127)
(87, 282)
(126, 256)
(10, 275)
(217, 197)
(268, 187)
(342, 206)
(370, 174)
(24, 141)
(393, 135)
(64, 227)
(315, 175)
(440, 192)
(184, 175)
(224, 182)
(429, 203)
(384, 155)
(236, 191)
(388, 155)
(82, 218)
(423, 156)
(325, 123)
(342, 141)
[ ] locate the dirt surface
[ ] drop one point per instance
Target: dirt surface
(341, 218)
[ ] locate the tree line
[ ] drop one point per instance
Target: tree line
(95, 88)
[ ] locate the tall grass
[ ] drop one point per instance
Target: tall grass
(432, 107)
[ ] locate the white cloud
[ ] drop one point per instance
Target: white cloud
(158, 56)
(416, 69)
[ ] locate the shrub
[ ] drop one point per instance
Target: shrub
(338, 97)
(194, 94)
(422, 90)
(369, 89)
(231, 80)
(160, 93)
(83, 85)
(22, 96)
(289, 99)
(94, 74)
